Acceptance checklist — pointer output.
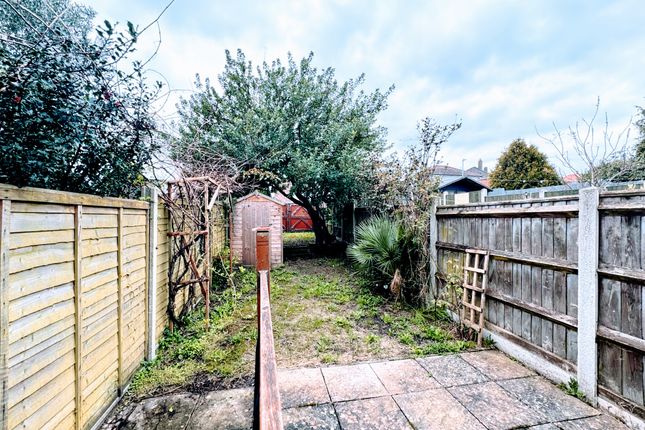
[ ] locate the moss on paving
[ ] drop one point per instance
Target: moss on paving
(322, 314)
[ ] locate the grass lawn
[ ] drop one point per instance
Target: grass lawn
(298, 238)
(322, 315)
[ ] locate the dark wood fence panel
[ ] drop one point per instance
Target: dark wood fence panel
(532, 288)
(621, 346)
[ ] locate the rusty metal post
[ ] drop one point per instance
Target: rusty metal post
(262, 249)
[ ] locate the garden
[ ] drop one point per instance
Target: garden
(324, 313)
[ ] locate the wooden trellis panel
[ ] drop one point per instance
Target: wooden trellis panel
(474, 296)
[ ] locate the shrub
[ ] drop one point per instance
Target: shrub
(382, 253)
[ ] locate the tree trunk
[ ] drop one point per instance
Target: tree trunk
(323, 236)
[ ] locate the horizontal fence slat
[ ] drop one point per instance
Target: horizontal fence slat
(547, 262)
(621, 339)
(27, 194)
(544, 211)
(622, 273)
(556, 317)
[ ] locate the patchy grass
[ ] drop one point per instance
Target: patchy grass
(299, 238)
(322, 314)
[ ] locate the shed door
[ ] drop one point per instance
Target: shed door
(254, 214)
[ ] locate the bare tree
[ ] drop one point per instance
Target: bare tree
(594, 152)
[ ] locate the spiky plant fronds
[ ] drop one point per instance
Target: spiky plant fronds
(377, 248)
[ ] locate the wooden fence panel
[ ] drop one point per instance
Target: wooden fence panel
(73, 303)
(134, 290)
(163, 255)
(532, 284)
(41, 323)
(99, 348)
(621, 347)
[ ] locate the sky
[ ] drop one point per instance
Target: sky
(506, 69)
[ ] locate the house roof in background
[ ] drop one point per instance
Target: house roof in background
(571, 178)
(452, 181)
(445, 170)
(476, 171)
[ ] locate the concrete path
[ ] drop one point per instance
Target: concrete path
(476, 390)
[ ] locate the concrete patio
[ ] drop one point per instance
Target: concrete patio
(475, 390)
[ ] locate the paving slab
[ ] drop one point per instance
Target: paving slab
(170, 412)
(496, 408)
(224, 410)
(317, 417)
(548, 426)
(371, 414)
(600, 422)
(545, 397)
(404, 376)
(436, 409)
(352, 382)
(451, 370)
(495, 365)
(302, 387)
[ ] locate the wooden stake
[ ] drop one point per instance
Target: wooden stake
(120, 275)
(5, 215)
(78, 277)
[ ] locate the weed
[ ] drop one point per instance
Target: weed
(329, 358)
(342, 322)
(572, 389)
(387, 318)
(372, 339)
(406, 338)
(333, 307)
(489, 342)
(445, 347)
(373, 343)
(369, 302)
(323, 344)
(436, 334)
(152, 376)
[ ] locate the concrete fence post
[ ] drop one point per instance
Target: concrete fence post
(153, 219)
(482, 195)
(588, 238)
(433, 234)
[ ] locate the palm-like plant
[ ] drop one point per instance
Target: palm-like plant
(378, 251)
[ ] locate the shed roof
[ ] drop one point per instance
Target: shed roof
(258, 194)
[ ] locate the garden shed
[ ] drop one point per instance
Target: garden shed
(251, 211)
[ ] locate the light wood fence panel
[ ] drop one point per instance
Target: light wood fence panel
(74, 292)
(163, 255)
(73, 285)
(40, 315)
